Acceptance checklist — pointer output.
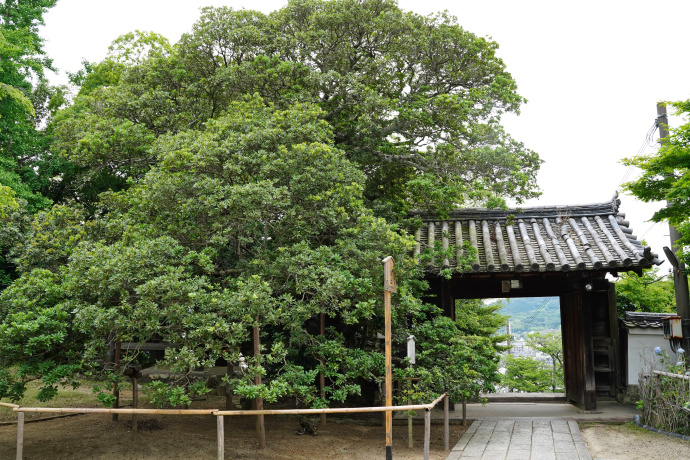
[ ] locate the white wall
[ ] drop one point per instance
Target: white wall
(641, 344)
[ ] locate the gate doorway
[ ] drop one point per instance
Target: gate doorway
(562, 251)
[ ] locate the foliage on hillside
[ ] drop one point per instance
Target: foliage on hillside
(529, 314)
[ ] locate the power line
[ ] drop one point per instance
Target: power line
(645, 143)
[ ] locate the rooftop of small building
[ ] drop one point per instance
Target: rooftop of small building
(580, 237)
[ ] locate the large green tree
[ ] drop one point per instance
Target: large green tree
(666, 177)
(253, 176)
(414, 101)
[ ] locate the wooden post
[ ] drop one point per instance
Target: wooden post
(427, 432)
(322, 377)
(116, 370)
(410, 435)
(464, 412)
(389, 286)
(20, 435)
(446, 423)
(221, 437)
(260, 427)
(135, 402)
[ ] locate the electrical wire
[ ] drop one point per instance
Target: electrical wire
(645, 143)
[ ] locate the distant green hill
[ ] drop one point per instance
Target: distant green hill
(532, 314)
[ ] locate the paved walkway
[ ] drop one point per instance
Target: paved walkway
(521, 440)
(529, 427)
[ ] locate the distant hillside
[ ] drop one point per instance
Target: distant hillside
(532, 314)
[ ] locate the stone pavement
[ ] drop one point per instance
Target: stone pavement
(521, 440)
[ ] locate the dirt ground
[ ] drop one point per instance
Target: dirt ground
(628, 442)
(96, 436)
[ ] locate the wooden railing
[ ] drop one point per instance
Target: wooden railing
(220, 414)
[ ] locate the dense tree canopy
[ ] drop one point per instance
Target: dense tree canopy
(652, 292)
(254, 175)
(419, 116)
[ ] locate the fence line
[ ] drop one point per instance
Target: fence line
(675, 376)
(219, 414)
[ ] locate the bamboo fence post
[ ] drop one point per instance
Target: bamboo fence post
(260, 427)
(446, 423)
(116, 368)
(221, 436)
(427, 432)
(20, 435)
(322, 377)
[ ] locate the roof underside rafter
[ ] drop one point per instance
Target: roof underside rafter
(543, 239)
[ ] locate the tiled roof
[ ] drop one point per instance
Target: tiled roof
(639, 319)
(539, 239)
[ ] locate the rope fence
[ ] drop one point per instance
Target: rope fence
(220, 414)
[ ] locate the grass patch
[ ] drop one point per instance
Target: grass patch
(82, 396)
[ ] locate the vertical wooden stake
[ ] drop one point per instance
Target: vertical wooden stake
(20, 435)
(410, 436)
(389, 383)
(221, 437)
(388, 287)
(427, 433)
(116, 369)
(464, 412)
(260, 427)
(322, 377)
(446, 423)
(135, 403)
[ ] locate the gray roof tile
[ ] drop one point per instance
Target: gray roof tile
(540, 239)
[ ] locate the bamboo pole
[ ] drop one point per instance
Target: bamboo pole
(105, 410)
(446, 423)
(20, 435)
(260, 427)
(10, 405)
(221, 436)
(427, 432)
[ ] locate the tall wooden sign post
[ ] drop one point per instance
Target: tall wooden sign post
(389, 286)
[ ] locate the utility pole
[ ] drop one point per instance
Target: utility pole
(680, 278)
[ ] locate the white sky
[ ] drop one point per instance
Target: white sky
(592, 71)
